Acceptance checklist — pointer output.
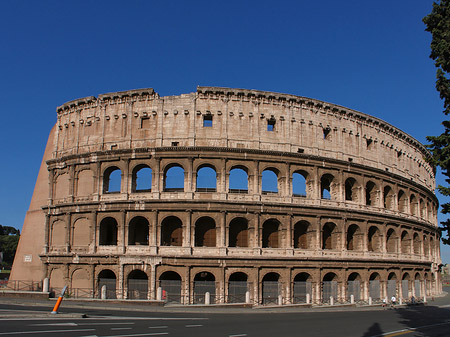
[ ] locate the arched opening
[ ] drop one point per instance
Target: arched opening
(329, 236)
(269, 181)
(426, 246)
(270, 237)
(206, 179)
(81, 284)
(141, 179)
(238, 234)
(406, 243)
(205, 232)
(237, 287)
(351, 190)
(406, 291)
(392, 285)
(329, 287)
(112, 180)
(374, 286)
(371, 193)
(325, 186)
(417, 287)
(107, 278)
(170, 283)
(238, 180)
(423, 209)
(388, 198)
(270, 288)
(413, 205)
(374, 239)
(299, 184)
(171, 232)
(391, 241)
(137, 285)
(354, 238)
(302, 287)
(138, 230)
(174, 178)
(204, 282)
(416, 244)
(402, 201)
(108, 232)
(354, 287)
(301, 236)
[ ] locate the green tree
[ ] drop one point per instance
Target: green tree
(9, 239)
(438, 24)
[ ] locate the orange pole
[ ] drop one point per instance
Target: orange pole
(58, 302)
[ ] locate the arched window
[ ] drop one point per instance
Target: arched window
(141, 179)
(351, 190)
(137, 285)
(374, 240)
(238, 181)
(423, 209)
(416, 244)
(138, 230)
(354, 287)
(301, 237)
(354, 238)
(237, 287)
(204, 282)
(270, 288)
(374, 286)
(388, 198)
(171, 231)
(174, 179)
(402, 201)
(426, 246)
(391, 241)
(329, 236)
(325, 186)
(406, 243)
(205, 232)
(299, 183)
(107, 278)
(112, 180)
(302, 287)
(170, 282)
(329, 287)
(108, 232)
(413, 205)
(238, 233)
(270, 237)
(392, 285)
(370, 193)
(269, 181)
(206, 179)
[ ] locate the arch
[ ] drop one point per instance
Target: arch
(205, 232)
(374, 239)
(413, 205)
(269, 181)
(137, 285)
(426, 246)
(85, 183)
(81, 233)
(329, 236)
(270, 235)
(402, 201)
(81, 284)
(405, 243)
(170, 283)
(107, 278)
(238, 233)
(238, 180)
(388, 198)
(423, 209)
(270, 288)
(302, 287)
(206, 179)
(374, 286)
(416, 244)
(325, 186)
(354, 238)
(329, 287)
(351, 190)
(138, 231)
(108, 232)
(392, 285)
(62, 186)
(57, 281)
(204, 282)
(237, 287)
(302, 239)
(406, 285)
(58, 238)
(417, 286)
(354, 286)
(391, 241)
(112, 179)
(141, 179)
(299, 184)
(371, 193)
(174, 178)
(171, 232)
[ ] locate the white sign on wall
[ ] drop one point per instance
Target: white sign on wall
(27, 258)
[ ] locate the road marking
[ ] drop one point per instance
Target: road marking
(409, 330)
(47, 331)
(241, 335)
(158, 327)
(141, 334)
(55, 324)
(121, 328)
(193, 325)
(400, 333)
(109, 323)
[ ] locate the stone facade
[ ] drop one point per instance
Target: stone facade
(230, 191)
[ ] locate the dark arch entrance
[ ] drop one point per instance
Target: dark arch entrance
(170, 283)
(237, 287)
(270, 288)
(354, 287)
(302, 286)
(171, 232)
(137, 285)
(329, 287)
(374, 286)
(204, 282)
(107, 278)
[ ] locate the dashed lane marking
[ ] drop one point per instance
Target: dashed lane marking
(193, 325)
(42, 331)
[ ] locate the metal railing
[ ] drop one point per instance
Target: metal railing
(17, 285)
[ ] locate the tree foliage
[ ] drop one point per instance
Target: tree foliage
(438, 24)
(9, 239)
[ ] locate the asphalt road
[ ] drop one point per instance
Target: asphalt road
(24, 319)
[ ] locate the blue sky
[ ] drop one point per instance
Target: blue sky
(370, 56)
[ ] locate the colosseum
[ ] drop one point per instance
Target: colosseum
(230, 196)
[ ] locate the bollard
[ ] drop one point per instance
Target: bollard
(400, 301)
(58, 302)
(103, 295)
(424, 298)
(207, 298)
(308, 298)
(280, 300)
(370, 300)
(45, 285)
(159, 294)
(247, 297)
(352, 299)
(331, 300)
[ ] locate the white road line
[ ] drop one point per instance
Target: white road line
(109, 323)
(411, 329)
(141, 334)
(158, 327)
(241, 335)
(55, 324)
(193, 325)
(42, 331)
(121, 328)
